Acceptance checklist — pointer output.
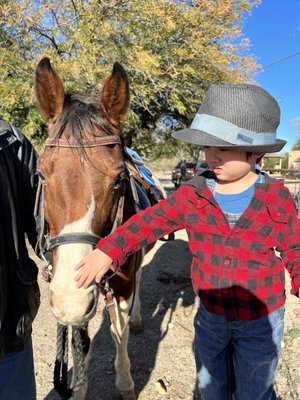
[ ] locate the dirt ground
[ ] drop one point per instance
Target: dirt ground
(162, 355)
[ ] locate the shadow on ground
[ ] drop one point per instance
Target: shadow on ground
(164, 281)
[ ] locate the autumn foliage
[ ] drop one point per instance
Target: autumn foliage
(171, 50)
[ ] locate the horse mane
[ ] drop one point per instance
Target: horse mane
(82, 114)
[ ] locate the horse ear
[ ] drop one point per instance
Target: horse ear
(115, 94)
(49, 90)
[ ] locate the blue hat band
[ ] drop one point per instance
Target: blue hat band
(231, 133)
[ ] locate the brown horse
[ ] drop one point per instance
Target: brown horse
(86, 194)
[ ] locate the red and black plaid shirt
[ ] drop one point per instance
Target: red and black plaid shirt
(234, 271)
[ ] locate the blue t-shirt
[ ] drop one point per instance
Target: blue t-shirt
(238, 202)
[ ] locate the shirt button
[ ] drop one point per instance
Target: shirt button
(226, 262)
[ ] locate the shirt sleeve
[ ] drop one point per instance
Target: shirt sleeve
(142, 229)
(290, 249)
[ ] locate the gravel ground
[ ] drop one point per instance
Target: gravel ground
(162, 355)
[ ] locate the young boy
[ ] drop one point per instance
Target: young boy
(235, 218)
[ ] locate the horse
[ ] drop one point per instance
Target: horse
(85, 193)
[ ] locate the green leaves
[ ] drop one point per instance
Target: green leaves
(171, 50)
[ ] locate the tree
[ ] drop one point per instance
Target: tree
(172, 51)
(285, 161)
(297, 123)
(296, 146)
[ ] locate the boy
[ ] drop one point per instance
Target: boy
(235, 218)
(19, 291)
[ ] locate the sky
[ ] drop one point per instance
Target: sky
(274, 32)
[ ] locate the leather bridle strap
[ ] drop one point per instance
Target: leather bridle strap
(84, 143)
(73, 238)
(82, 237)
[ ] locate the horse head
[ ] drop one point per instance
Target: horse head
(83, 171)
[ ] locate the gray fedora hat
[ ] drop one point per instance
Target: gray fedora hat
(240, 116)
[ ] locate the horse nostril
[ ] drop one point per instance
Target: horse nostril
(92, 305)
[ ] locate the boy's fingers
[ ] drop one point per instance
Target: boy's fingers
(82, 283)
(79, 265)
(84, 279)
(98, 278)
(81, 279)
(78, 275)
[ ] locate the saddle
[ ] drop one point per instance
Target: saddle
(145, 189)
(144, 194)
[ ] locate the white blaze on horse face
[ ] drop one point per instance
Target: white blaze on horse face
(70, 304)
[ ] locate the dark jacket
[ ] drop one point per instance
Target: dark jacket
(19, 291)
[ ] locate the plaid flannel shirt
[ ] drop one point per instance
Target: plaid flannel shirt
(234, 271)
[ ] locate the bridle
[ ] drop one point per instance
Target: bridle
(84, 143)
(46, 243)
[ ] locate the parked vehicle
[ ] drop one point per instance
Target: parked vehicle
(185, 170)
(201, 165)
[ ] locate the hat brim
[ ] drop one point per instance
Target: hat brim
(201, 138)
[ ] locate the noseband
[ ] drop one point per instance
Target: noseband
(45, 242)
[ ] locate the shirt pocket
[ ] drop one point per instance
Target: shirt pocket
(196, 212)
(277, 215)
(272, 230)
(201, 203)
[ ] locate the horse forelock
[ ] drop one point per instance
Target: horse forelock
(84, 116)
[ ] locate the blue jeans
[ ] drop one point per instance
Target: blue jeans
(238, 359)
(17, 379)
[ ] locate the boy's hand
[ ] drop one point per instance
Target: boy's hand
(296, 311)
(92, 267)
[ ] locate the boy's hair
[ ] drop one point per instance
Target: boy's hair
(249, 154)
(258, 160)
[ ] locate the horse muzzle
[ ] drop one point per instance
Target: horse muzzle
(75, 307)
